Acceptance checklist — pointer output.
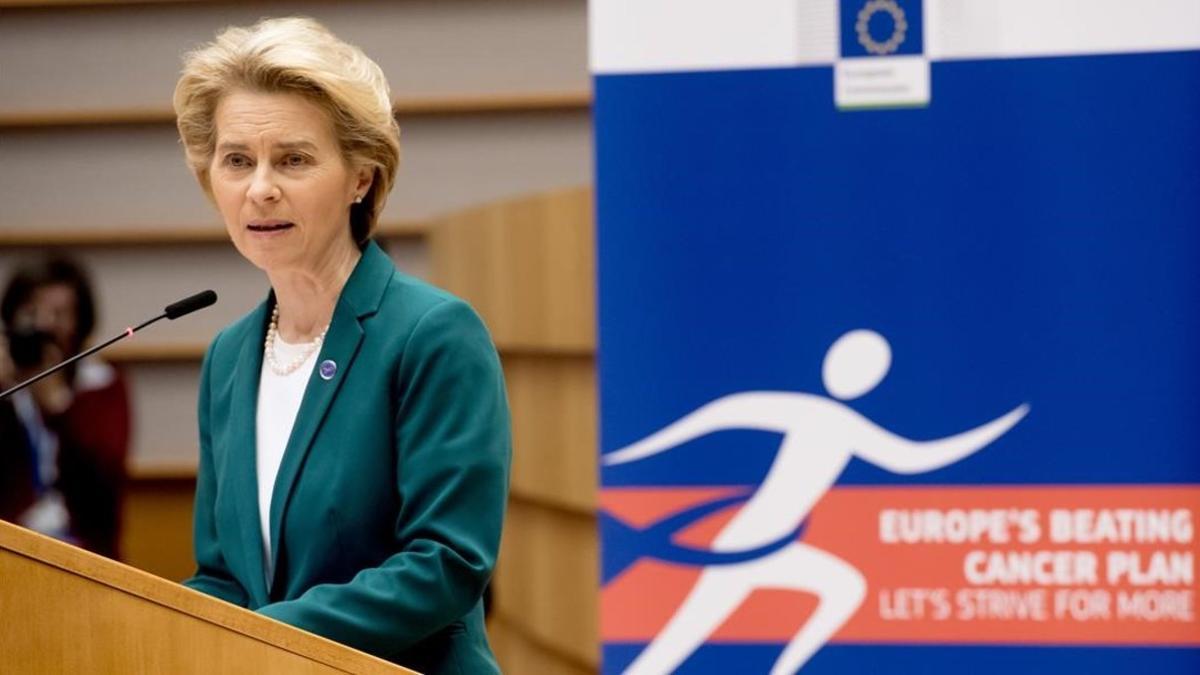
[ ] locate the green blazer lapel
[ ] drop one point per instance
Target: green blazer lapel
(241, 472)
(360, 298)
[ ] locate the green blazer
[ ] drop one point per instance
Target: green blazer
(386, 513)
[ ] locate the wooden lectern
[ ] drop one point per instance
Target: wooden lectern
(64, 610)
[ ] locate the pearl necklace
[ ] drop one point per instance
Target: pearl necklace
(283, 369)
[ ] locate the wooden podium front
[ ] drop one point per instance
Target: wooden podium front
(64, 610)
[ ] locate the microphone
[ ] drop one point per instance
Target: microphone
(187, 306)
(172, 311)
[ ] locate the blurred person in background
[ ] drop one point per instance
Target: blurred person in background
(354, 429)
(63, 440)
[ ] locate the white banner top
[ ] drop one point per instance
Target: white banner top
(632, 36)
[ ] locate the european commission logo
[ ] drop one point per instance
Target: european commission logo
(882, 60)
(881, 28)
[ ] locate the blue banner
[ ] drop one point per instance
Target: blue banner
(901, 389)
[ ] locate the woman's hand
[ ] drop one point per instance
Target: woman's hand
(52, 394)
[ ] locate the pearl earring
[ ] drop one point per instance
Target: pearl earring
(358, 199)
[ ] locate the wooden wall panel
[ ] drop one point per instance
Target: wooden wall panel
(518, 653)
(553, 402)
(527, 266)
(547, 578)
(156, 528)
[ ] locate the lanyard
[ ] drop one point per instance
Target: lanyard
(42, 444)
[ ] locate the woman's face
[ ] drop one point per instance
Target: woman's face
(280, 181)
(52, 309)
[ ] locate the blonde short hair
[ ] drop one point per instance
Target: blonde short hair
(295, 55)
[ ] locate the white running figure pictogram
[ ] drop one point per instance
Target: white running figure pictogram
(820, 435)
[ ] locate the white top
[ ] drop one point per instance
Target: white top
(279, 399)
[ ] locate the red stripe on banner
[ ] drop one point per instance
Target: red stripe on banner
(963, 565)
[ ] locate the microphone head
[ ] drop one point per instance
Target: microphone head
(190, 304)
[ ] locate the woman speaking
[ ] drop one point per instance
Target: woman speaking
(354, 432)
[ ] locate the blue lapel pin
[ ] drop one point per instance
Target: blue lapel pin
(328, 369)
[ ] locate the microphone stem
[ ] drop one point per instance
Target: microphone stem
(81, 355)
